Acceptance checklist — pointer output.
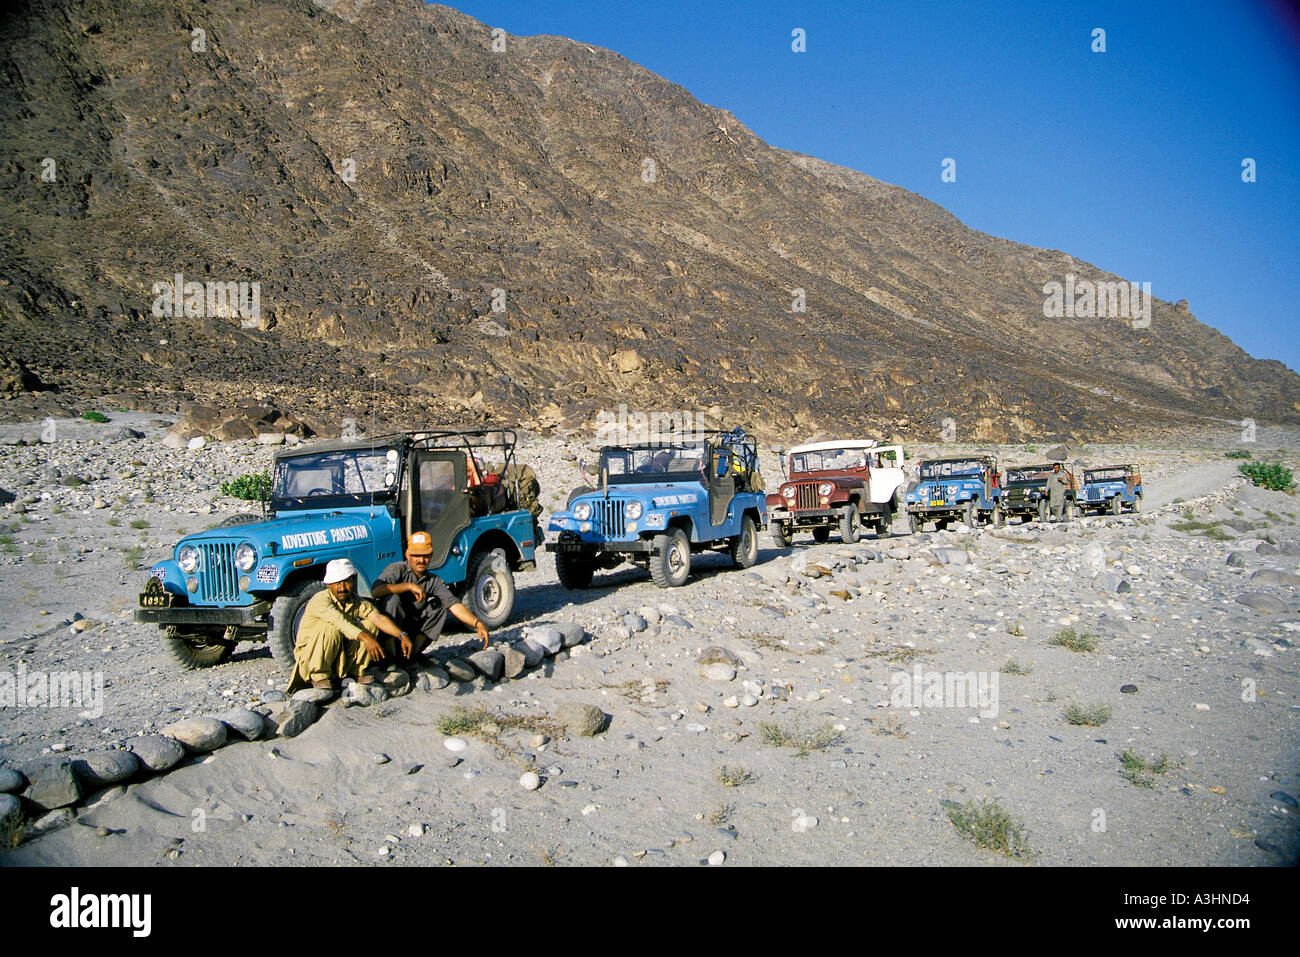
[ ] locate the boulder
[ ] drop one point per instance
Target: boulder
(246, 724)
(461, 670)
(1260, 601)
(584, 720)
(157, 752)
(489, 661)
(99, 769)
(571, 634)
(11, 818)
(11, 781)
(292, 718)
(52, 785)
(199, 735)
(513, 662)
(548, 638)
(1275, 576)
(533, 652)
(716, 654)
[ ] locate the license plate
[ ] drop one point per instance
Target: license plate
(155, 596)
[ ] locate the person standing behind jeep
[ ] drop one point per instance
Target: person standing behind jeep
(1056, 486)
(419, 601)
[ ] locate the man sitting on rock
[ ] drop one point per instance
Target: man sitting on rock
(339, 634)
(419, 601)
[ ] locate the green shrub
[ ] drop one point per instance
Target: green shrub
(251, 487)
(92, 416)
(1273, 476)
(1237, 454)
(987, 825)
(1069, 638)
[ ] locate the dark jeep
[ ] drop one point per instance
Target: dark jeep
(1025, 492)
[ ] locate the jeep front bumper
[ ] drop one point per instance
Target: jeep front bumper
(247, 616)
(578, 546)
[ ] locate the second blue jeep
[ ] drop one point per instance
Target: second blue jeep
(656, 504)
(965, 488)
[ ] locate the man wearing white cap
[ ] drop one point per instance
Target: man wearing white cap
(418, 600)
(338, 636)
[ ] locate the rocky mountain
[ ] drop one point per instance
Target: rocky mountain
(445, 223)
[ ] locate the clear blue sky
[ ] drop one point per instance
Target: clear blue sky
(1129, 159)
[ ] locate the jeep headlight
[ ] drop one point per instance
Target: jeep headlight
(824, 488)
(188, 559)
(582, 511)
(634, 510)
(245, 557)
(788, 492)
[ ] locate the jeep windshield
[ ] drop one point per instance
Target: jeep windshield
(653, 463)
(1105, 475)
(1029, 473)
(323, 478)
(828, 460)
(950, 468)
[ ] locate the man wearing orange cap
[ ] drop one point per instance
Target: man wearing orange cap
(419, 601)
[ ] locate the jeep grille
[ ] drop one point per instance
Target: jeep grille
(219, 579)
(806, 497)
(607, 517)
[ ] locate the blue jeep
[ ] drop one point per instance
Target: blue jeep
(658, 503)
(1111, 487)
(249, 579)
(960, 488)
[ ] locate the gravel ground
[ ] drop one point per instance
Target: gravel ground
(1215, 687)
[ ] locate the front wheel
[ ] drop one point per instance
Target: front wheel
(971, 514)
(670, 562)
(913, 523)
(197, 649)
(997, 519)
(1116, 505)
(286, 613)
(850, 524)
(744, 547)
(573, 570)
(1042, 510)
(490, 594)
(780, 534)
(1137, 503)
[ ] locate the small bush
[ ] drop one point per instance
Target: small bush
(1014, 667)
(1273, 476)
(802, 741)
(92, 416)
(139, 523)
(1140, 772)
(1069, 638)
(987, 825)
(1237, 454)
(251, 487)
(1093, 716)
(735, 777)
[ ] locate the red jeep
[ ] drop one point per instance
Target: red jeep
(845, 485)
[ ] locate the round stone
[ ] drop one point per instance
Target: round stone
(455, 745)
(529, 781)
(717, 857)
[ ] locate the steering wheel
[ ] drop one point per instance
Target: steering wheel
(318, 491)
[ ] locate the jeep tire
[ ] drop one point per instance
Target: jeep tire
(573, 569)
(1137, 503)
(197, 649)
(913, 523)
(1116, 504)
(670, 562)
(850, 524)
(1044, 513)
(822, 533)
(971, 514)
(744, 547)
(286, 613)
(490, 588)
(580, 490)
(780, 535)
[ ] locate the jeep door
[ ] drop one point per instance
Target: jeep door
(722, 487)
(435, 500)
(887, 477)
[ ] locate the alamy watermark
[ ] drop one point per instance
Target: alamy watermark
(945, 689)
(656, 427)
(178, 298)
(1084, 299)
(83, 690)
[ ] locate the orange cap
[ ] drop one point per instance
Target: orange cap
(420, 544)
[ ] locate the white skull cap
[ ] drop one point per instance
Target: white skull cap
(340, 569)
